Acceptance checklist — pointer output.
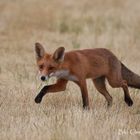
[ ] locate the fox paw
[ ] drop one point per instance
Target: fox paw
(38, 99)
(129, 101)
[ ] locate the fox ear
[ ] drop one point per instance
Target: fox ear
(40, 52)
(59, 54)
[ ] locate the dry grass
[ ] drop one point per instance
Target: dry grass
(113, 24)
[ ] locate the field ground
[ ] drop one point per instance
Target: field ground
(112, 24)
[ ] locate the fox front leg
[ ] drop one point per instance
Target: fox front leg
(84, 92)
(39, 97)
(59, 86)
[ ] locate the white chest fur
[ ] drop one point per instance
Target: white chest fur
(64, 74)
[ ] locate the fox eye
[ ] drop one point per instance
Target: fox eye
(41, 66)
(51, 68)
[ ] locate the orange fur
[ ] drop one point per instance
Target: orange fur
(97, 64)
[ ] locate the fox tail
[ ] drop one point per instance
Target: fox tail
(133, 80)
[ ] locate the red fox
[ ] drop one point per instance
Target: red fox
(97, 64)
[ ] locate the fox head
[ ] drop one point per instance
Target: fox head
(49, 64)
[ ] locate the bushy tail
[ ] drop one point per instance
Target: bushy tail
(133, 80)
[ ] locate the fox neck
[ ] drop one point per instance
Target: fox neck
(64, 74)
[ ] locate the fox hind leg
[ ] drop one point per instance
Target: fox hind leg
(127, 97)
(101, 87)
(115, 80)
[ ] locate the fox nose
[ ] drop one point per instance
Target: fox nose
(43, 78)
